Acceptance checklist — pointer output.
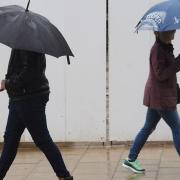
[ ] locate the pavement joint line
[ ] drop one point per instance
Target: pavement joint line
(35, 166)
(83, 154)
(118, 163)
(162, 151)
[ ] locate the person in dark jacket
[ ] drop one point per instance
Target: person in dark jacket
(160, 97)
(28, 91)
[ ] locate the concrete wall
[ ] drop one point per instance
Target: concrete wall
(76, 110)
(77, 107)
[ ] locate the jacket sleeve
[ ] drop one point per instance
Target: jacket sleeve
(177, 59)
(161, 69)
(17, 81)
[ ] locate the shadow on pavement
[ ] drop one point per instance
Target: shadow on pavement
(135, 177)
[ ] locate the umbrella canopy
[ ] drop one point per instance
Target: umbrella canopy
(164, 16)
(23, 29)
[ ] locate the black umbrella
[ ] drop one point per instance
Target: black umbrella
(24, 29)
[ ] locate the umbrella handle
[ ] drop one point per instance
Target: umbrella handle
(68, 60)
(27, 6)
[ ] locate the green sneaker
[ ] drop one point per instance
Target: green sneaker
(135, 166)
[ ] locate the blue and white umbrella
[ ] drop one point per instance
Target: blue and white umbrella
(164, 16)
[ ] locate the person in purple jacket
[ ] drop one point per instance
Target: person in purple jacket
(160, 96)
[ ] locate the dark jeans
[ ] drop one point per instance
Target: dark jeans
(152, 118)
(30, 114)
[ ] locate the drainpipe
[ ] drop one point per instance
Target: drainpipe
(107, 74)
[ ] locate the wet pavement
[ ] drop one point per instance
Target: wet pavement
(98, 163)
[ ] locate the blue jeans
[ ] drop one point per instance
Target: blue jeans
(153, 116)
(30, 114)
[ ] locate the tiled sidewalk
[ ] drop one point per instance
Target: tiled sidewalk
(98, 163)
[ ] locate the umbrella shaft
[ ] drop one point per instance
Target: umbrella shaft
(28, 6)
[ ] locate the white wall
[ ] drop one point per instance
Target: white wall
(86, 77)
(77, 107)
(76, 110)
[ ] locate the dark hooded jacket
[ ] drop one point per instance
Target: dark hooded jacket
(161, 87)
(25, 76)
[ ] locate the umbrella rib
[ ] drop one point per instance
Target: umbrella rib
(20, 29)
(49, 32)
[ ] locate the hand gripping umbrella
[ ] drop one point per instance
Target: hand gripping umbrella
(26, 30)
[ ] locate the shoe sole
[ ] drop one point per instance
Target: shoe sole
(135, 171)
